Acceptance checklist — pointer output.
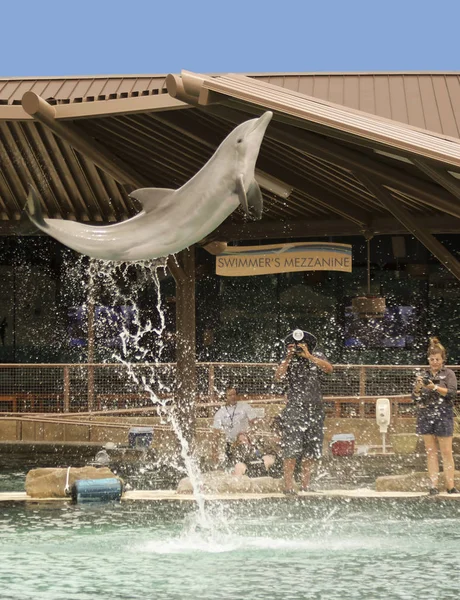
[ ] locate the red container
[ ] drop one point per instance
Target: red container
(343, 444)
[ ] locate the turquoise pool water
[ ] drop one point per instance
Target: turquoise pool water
(283, 549)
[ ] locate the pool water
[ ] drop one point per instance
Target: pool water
(288, 549)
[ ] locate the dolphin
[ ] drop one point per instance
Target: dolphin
(172, 220)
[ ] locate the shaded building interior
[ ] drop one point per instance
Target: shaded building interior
(238, 319)
(365, 157)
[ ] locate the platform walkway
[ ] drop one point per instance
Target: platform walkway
(173, 496)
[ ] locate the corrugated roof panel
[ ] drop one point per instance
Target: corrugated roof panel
(111, 86)
(95, 88)
(427, 100)
(453, 87)
(52, 89)
(382, 97)
(81, 89)
(305, 85)
(367, 94)
(444, 105)
(430, 106)
(66, 91)
(291, 83)
(39, 86)
(386, 94)
(398, 99)
(415, 113)
(126, 86)
(351, 92)
(321, 87)
(334, 91)
(333, 117)
(7, 92)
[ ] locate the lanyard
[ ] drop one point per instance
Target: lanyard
(232, 417)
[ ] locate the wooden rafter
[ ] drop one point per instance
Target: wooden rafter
(297, 134)
(90, 148)
(412, 225)
(302, 228)
(439, 176)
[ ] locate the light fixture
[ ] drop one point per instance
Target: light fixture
(368, 306)
(272, 184)
(454, 174)
(395, 156)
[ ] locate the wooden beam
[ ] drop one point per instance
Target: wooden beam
(334, 202)
(331, 200)
(100, 108)
(353, 160)
(103, 158)
(297, 229)
(119, 106)
(412, 225)
(298, 135)
(441, 177)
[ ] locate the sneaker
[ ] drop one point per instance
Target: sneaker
(453, 491)
(433, 491)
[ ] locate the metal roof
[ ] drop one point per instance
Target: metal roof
(427, 100)
(147, 138)
(80, 89)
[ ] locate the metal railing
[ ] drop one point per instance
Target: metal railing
(349, 392)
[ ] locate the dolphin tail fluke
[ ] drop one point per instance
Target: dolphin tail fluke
(34, 209)
(251, 201)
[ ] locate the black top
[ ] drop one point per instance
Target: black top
(444, 378)
(303, 385)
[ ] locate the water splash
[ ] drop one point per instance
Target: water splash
(132, 336)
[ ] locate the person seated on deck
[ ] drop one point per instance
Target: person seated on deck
(255, 458)
(231, 419)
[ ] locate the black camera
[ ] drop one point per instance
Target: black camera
(426, 381)
(297, 337)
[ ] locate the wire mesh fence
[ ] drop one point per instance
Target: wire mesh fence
(350, 392)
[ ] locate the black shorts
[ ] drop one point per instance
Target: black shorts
(304, 439)
(436, 420)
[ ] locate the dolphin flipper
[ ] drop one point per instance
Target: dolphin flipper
(255, 200)
(34, 209)
(252, 201)
(241, 193)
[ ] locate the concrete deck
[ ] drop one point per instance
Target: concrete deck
(172, 495)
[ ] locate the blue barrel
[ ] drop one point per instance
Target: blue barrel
(97, 490)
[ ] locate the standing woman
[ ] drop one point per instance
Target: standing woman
(435, 392)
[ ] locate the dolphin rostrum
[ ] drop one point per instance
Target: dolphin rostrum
(172, 220)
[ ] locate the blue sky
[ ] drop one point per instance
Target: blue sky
(162, 36)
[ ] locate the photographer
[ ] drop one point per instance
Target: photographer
(434, 392)
(303, 416)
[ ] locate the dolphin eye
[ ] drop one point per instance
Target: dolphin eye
(239, 140)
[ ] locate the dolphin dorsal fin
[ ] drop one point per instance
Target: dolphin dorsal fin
(150, 197)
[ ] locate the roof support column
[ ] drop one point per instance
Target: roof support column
(183, 272)
(430, 242)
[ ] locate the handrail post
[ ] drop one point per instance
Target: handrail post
(66, 389)
(211, 375)
(362, 381)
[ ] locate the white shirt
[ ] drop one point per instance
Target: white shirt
(234, 419)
